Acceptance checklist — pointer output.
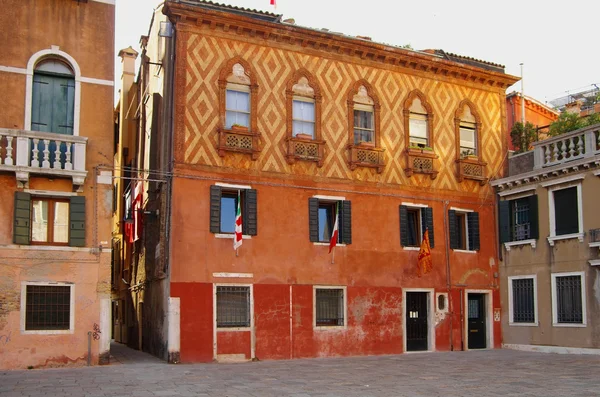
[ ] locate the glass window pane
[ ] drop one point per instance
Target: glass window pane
(418, 128)
(308, 111)
(228, 209)
(363, 135)
(309, 128)
(39, 221)
(363, 119)
(61, 222)
(467, 138)
(237, 100)
(325, 223)
(230, 119)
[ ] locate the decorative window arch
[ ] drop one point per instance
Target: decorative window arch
(364, 140)
(238, 100)
(53, 61)
(303, 118)
(418, 121)
(467, 127)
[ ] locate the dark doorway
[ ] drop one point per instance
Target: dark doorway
(476, 317)
(416, 321)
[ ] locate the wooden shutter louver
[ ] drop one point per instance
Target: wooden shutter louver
(313, 219)
(249, 221)
(427, 219)
(504, 221)
(534, 227)
(215, 209)
(22, 219)
(346, 222)
(473, 225)
(403, 225)
(452, 232)
(77, 221)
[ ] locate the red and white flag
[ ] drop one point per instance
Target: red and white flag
(274, 3)
(237, 238)
(335, 232)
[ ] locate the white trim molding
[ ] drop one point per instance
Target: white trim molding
(24, 285)
(414, 205)
(551, 349)
(233, 187)
(566, 179)
(233, 275)
(461, 209)
(552, 217)
(555, 322)
(511, 321)
(519, 243)
(594, 262)
(526, 190)
(233, 329)
(91, 80)
(489, 315)
(231, 235)
(431, 309)
(111, 2)
(329, 198)
(12, 69)
(345, 308)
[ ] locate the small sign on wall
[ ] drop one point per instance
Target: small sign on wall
(497, 315)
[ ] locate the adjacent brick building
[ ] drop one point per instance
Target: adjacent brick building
(300, 124)
(56, 70)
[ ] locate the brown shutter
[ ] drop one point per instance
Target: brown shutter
(249, 219)
(215, 209)
(313, 219)
(427, 220)
(452, 229)
(22, 219)
(403, 225)
(346, 222)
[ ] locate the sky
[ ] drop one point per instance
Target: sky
(557, 42)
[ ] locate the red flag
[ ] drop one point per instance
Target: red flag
(237, 237)
(424, 263)
(335, 232)
(273, 3)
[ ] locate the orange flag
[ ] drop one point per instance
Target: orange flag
(424, 263)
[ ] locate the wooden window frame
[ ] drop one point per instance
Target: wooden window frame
(472, 167)
(296, 146)
(50, 230)
(419, 160)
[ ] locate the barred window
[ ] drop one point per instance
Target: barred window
(523, 297)
(233, 307)
(569, 307)
(329, 307)
(47, 307)
(521, 224)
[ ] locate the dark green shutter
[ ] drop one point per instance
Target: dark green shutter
(215, 209)
(534, 231)
(403, 226)
(473, 225)
(346, 222)
(52, 104)
(504, 221)
(249, 221)
(22, 219)
(77, 222)
(313, 219)
(41, 103)
(452, 232)
(427, 220)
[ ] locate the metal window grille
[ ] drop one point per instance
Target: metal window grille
(329, 307)
(48, 307)
(521, 226)
(233, 307)
(568, 299)
(594, 235)
(523, 301)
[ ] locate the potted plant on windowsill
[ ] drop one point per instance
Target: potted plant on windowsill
(420, 148)
(301, 135)
(239, 127)
(468, 155)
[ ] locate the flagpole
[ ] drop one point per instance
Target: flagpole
(333, 256)
(236, 250)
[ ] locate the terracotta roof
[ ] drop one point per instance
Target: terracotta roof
(470, 61)
(251, 13)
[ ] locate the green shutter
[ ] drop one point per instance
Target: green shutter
(345, 222)
(215, 209)
(427, 221)
(249, 220)
(22, 219)
(504, 221)
(452, 232)
(53, 104)
(313, 219)
(77, 221)
(41, 103)
(534, 231)
(473, 225)
(403, 225)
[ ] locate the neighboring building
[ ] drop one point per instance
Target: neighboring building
(56, 70)
(550, 235)
(540, 115)
(300, 124)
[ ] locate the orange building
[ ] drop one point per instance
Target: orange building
(537, 113)
(302, 130)
(56, 70)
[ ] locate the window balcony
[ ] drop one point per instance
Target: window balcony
(363, 155)
(240, 140)
(421, 161)
(42, 153)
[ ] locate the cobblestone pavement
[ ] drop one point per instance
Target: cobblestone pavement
(475, 373)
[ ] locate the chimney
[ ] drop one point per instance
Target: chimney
(291, 21)
(128, 56)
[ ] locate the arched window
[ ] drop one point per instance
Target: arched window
(418, 121)
(363, 110)
(468, 134)
(53, 97)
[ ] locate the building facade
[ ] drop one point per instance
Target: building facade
(536, 113)
(549, 234)
(55, 182)
(302, 130)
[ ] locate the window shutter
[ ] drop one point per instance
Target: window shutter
(215, 209)
(41, 103)
(313, 219)
(473, 224)
(452, 229)
(427, 220)
(22, 218)
(534, 231)
(249, 221)
(403, 226)
(346, 222)
(504, 221)
(77, 221)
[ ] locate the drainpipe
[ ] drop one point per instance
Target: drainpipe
(448, 285)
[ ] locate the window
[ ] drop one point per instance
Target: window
(303, 117)
(47, 307)
(418, 127)
(467, 130)
(464, 230)
(518, 219)
(223, 208)
(522, 291)
(568, 299)
(364, 129)
(233, 306)
(468, 140)
(363, 115)
(53, 98)
(413, 222)
(330, 306)
(566, 209)
(237, 106)
(322, 213)
(49, 220)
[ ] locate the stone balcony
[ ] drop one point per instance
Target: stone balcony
(565, 148)
(42, 153)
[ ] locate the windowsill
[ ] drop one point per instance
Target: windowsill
(578, 236)
(51, 248)
(510, 244)
(329, 327)
(411, 248)
(523, 324)
(465, 251)
(327, 244)
(47, 332)
(234, 329)
(567, 325)
(595, 244)
(228, 235)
